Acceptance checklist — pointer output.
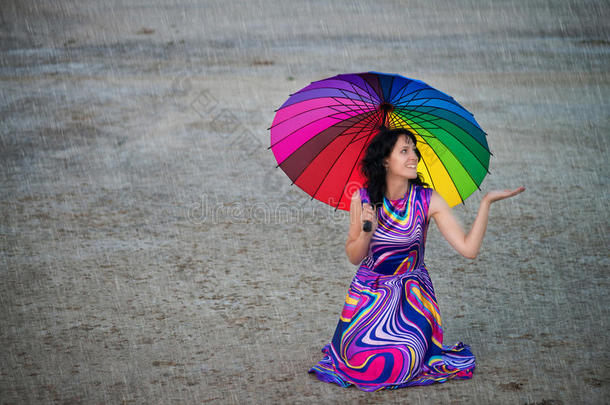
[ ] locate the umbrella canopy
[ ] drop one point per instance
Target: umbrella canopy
(320, 134)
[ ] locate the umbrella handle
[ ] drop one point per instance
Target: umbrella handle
(367, 226)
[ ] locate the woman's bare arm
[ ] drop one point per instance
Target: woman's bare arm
(466, 245)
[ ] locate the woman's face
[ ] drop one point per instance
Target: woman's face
(402, 161)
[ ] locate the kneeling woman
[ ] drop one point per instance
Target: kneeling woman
(389, 333)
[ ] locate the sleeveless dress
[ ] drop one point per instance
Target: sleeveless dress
(389, 333)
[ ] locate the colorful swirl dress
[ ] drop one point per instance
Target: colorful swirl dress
(389, 333)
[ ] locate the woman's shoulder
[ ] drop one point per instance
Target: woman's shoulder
(426, 193)
(363, 194)
(435, 201)
(423, 189)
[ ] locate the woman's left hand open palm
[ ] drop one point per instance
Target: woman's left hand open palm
(497, 195)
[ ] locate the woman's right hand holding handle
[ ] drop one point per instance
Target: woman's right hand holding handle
(369, 218)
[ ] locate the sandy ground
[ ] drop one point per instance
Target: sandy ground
(152, 253)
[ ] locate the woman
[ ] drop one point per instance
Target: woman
(389, 333)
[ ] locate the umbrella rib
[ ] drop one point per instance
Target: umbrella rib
(313, 109)
(413, 92)
(317, 154)
(372, 117)
(422, 123)
(456, 158)
(371, 98)
(449, 174)
(416, 93)
(441, 118)
(350, 107)
(451, 101)
(451, 177)
(364, 90)
(336, 159)
(390, 89)
(423, 160)
(368, 111)
(328, 116)
(448, 99)
(330, 168)
(346, 96)
(395, 120)
(443, 163)
(300, 128)
(457, 139)
(350, 175)
(454, 137)
(406, 105)
(327, 87)
(460, 141)
(359, 95)
(404, 86)
(416, 114)
(347, 106)
(413, 111)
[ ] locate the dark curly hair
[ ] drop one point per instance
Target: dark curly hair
(372, 164)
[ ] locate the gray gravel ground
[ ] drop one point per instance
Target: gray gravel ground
(152, 253)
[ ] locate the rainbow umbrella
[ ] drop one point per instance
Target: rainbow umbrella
(320, 134)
